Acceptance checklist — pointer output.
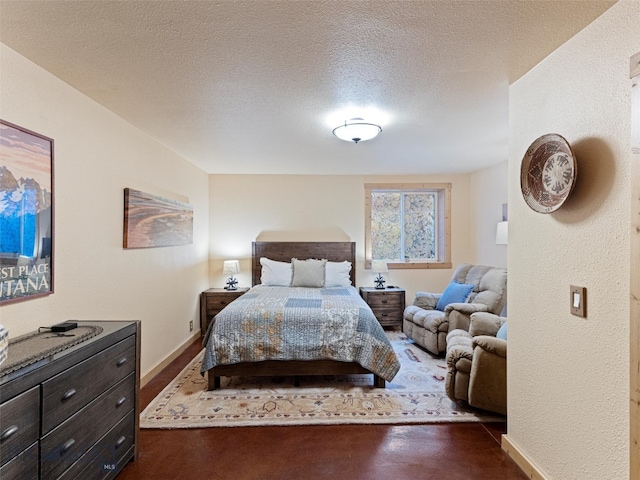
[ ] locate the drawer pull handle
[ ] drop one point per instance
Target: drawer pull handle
(385, 314)
(122, 361)
(12, 430)
(120, 401)
(68, 394)
(120, 441)
(385, 301)
(67, 445)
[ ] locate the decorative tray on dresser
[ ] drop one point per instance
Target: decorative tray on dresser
(74, 413)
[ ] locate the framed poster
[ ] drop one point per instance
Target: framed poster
(26, 214)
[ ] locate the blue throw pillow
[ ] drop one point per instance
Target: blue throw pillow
(454, 293)
(502, 333)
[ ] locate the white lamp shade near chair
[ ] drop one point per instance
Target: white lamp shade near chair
(502, 233)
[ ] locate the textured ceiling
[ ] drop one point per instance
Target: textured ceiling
(258, 86)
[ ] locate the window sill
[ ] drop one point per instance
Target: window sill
(425, 265)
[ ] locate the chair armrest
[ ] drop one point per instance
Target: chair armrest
(494, 345)
(466, 308)
(457, 353)
(458, 336)
(427, 301)
(485, 323)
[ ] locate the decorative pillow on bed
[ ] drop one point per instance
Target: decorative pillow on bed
(337, 274)
(308, 273)
(274, 273)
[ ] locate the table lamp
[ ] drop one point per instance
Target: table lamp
(379, 267)
(231, 267)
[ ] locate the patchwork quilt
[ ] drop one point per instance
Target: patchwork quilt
(298, 323)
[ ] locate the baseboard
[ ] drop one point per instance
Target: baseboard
(176, 353)
(521, 460)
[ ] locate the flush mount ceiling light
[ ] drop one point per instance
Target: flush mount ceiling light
(356, 130)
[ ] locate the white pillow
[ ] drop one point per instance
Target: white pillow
(274, 273)
(337, 274)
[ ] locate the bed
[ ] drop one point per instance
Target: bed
(326, 330)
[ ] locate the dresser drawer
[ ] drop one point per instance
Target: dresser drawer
(22, 467)
(69, 442)
(217, 302)
(69, 391)
(106, 457)
(212, 302)
(383, 300)
(387, 314)
(19, 424)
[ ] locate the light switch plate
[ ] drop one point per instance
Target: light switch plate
(578, 301)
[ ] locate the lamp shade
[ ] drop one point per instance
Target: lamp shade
(231, 267)
(379, 266)
(502, 233)
(357, 130)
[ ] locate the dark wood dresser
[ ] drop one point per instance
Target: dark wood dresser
(74, 414)
(387, 304)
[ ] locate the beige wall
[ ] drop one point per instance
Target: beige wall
(97, 155)
(568, 376)
(488, 193)
(246, 208)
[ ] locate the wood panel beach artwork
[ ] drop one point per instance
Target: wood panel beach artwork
(26, 214)
(153, 221)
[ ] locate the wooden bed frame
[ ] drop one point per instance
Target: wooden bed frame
(284, 252)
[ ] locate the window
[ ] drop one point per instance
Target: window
(408, 225)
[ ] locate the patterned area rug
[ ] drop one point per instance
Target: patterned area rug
(416, 395)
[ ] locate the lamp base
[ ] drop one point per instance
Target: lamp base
(379, 281)
(232, 284)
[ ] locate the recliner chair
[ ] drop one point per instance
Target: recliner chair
(477, 363)
(432, 315)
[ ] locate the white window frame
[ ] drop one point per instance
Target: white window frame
(443, 219)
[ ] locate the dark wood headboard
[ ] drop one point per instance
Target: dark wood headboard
(285, 251)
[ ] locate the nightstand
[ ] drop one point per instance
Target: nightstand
(387, 304)
(212, 301)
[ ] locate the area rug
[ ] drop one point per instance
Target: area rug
(416, 395)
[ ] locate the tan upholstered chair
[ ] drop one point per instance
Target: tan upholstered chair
(477, 364)
(428, 326)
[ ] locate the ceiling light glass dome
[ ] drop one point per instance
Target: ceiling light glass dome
(357, 130)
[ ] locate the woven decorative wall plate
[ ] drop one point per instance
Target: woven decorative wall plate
(548, 173)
